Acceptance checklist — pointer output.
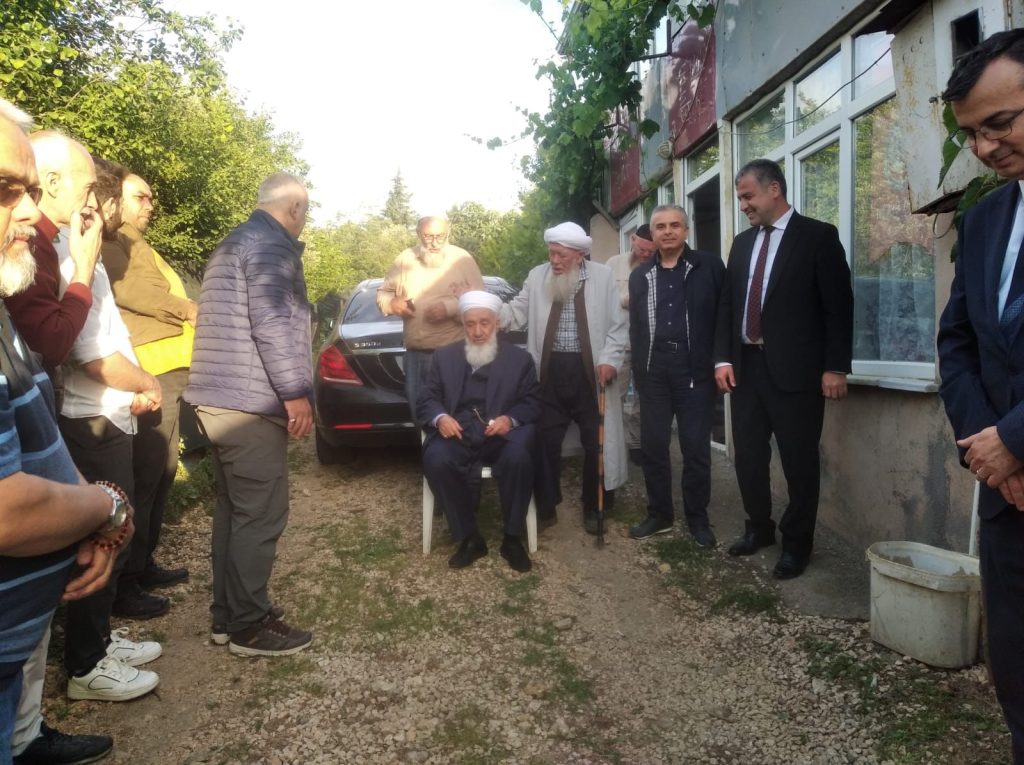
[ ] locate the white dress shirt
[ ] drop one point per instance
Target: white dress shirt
(103, 335)
(1012, 248)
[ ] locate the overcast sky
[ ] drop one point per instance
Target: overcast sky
(373, 87)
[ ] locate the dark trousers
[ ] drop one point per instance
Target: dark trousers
(760, 409)
(102, 452)
(668, 391)
(452, 467)
(566, 396)
(416, 366)
(155, 461)
(1002, 574)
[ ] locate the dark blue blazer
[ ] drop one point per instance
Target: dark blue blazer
(512, 388)
(982, 371)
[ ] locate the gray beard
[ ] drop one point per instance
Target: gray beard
(562, 287)
(481, 355)
(17, 267)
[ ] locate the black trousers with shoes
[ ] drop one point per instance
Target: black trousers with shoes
(567, 396)
(759, 410)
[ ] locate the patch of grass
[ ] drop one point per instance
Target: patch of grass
(403, 619)
(691, 564)
(828, 660)
(749, 600)
(194, 488)
(299, 457)
(467, 734)
(520, 595)
(542, 634)
(236, 751)
(570, 684)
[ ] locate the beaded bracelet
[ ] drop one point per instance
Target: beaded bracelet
(100, 540)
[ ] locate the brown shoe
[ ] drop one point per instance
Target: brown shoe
(269, 637)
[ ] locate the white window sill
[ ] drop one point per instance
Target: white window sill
(895, 383)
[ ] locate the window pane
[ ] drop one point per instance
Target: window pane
(816, 96)
(866, 50)
(893, 262)
(819, 184)
(668, 194)
(701, 161)
(762, 131)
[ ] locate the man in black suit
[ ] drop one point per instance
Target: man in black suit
(783, 344)
(981, 348)
(479, 406)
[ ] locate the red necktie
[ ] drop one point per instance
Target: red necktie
(756, 288)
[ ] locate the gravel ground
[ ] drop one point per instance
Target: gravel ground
(634, 653)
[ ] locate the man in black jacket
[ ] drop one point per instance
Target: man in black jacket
(783, 344)
(673, 303)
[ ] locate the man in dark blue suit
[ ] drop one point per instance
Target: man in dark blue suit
(981, 348)
(478, 407)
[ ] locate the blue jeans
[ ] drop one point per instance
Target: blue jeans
(417, 367)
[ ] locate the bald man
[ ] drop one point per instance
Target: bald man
(251, 383)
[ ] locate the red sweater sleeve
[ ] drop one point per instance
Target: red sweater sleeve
(47, 324)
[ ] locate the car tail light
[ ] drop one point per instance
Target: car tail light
(334, 368)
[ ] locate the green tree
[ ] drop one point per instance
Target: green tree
(397, 208)
(146, 87)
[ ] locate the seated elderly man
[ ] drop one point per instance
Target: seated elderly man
(478, 407)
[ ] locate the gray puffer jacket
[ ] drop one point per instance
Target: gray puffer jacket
(252, 345)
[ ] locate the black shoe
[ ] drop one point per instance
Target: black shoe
(703, 536)
(751, 542)
(52, 747)
(590, 522)
(470, 549)
(140, 605)
(650, 526)
(157, 576)
(515, 555)
(790, 565)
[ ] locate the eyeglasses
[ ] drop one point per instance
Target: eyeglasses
(11, 192)
(433, 237)
(992, 132)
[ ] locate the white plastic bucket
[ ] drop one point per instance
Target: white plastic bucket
(925, 602)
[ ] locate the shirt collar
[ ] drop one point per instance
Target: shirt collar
(783, 221)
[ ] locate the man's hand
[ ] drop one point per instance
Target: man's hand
(84, 242)
(833, 385)
(192, 313)
(300, 417)
(725, 378)
(142, 404)
(402, 307)
(436, 313)
(448, 427)
(152, 392)
(98, 563)
(605, 374)
(499, 426)
(1012, 489)
(988, 458)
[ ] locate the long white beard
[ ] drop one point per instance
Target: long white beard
(482, 355)
(561, 287)
(17, 266)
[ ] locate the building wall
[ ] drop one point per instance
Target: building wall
(690, 92)
(606, 239)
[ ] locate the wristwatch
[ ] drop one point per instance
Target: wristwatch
(118, 509)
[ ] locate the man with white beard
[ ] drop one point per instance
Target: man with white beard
(578, 335)
(479, 406)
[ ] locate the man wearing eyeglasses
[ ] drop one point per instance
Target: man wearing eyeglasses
(981, 348)
(423, 287)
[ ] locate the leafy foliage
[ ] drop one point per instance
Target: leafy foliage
(145, 86)
(595, 95)
(397, 208)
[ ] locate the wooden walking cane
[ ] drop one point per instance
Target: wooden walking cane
(600, 465)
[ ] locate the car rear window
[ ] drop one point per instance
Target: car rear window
(362, 309)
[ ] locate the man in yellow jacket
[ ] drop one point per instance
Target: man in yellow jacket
(161, 319)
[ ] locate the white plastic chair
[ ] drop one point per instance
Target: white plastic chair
(428, 516)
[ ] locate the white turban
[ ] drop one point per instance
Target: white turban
(568, 235)
(479, 299)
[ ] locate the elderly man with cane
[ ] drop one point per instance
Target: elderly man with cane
(577, 335)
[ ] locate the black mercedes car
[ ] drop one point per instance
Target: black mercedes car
(359, 381)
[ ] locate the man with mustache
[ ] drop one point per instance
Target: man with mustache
(577, 335)
(423, 287)
(478, 407)
(58, 535)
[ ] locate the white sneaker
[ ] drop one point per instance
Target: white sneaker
(131, 653)
(111, 680)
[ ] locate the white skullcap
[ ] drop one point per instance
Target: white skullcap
(568, 235)
(479, 299)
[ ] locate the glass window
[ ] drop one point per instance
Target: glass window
(701, 161)
(819, 184)
(893, 262)
(763, 131)
(868, 50)
(667, 194)
(816, 96)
